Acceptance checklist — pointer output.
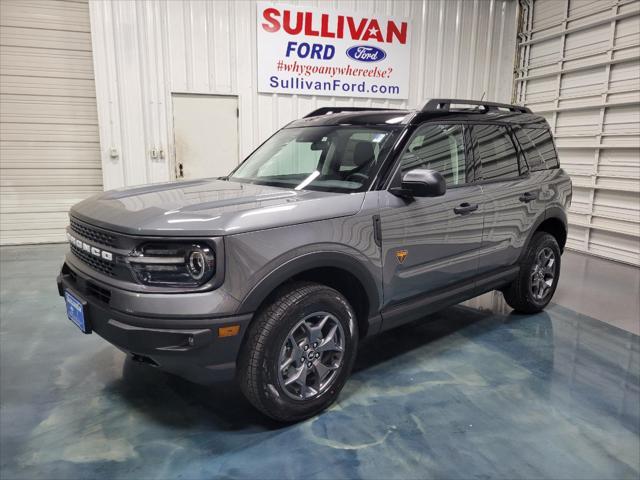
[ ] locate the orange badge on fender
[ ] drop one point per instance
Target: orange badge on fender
(401, 255)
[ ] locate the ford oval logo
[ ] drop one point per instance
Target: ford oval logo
(366, 53)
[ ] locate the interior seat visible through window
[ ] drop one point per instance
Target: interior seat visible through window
(363, 157)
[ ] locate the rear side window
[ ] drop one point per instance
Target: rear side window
(537, 145)
(496, 152)
(439, 148)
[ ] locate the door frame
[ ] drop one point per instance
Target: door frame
(388, 173)
(173, 164)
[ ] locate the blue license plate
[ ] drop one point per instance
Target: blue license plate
(76, 311)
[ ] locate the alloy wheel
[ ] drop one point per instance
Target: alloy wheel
(543, 274)
(311, 356)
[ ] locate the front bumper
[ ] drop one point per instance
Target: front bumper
(186, 346)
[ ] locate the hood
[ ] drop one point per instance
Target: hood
(210, 207)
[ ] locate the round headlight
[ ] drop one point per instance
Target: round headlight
(173, 264)
(197, 264)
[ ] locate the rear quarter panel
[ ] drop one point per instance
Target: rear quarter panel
(559, 190)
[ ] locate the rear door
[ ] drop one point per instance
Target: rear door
(512, 196)
(426, 245)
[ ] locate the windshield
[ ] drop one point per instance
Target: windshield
(328, 158)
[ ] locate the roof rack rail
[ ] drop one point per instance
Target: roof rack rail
(444, 104)
(326, 110)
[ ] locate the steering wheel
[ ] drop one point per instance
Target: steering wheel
(352, 177)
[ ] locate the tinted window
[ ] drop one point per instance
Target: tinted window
(496, 152)
(538, 148)
(439, 148)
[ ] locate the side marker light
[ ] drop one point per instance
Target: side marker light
(229, 331)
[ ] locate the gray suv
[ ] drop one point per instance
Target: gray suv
(344, 224)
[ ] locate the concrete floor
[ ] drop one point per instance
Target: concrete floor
(473, 392)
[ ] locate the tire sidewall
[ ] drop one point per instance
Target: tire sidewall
(323, 300)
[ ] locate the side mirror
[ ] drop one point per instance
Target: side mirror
(421, 182)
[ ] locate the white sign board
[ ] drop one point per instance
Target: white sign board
(323, 51)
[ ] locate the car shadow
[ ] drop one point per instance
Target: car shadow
(174, 402)
(417, 334)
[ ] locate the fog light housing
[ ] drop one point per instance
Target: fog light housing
(173, 264)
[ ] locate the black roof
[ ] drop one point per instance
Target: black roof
(434, 109)
(360, 117)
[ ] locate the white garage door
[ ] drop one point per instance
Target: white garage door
(579, 66)
(49, 150)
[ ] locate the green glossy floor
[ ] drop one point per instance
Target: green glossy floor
(473, 392)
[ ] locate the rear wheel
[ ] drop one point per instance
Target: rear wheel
(299, 352)
(536, 283)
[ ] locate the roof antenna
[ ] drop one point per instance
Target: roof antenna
(478, 107)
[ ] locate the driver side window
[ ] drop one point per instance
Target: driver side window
(439, 148)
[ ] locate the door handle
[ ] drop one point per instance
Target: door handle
(465, 208)
(527, 197)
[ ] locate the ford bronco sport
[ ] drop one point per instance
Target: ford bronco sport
(344, 224)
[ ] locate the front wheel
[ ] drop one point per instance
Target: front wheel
(537, 281)
(299, 352)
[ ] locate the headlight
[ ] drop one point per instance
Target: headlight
(173, 264)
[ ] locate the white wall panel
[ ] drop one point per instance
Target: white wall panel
(145, 50)
(49, 145)
(579, 66)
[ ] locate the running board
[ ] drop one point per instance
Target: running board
(418, 307)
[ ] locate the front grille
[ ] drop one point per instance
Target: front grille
(91, 233)
(103, 266)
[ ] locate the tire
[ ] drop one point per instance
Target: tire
(287, 321)
(524, 294)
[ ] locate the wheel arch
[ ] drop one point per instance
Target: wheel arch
(340, 271)
(554, 222)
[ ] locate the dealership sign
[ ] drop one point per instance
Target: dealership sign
(321, 51)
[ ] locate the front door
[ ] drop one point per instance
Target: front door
(431, 243)
(205, 135)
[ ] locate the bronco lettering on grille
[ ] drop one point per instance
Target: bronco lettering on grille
(95, 251)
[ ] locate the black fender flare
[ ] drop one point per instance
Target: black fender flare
(554, 212)
(310, 261)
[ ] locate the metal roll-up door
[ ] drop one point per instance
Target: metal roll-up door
(579, 66)
(49, 147)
